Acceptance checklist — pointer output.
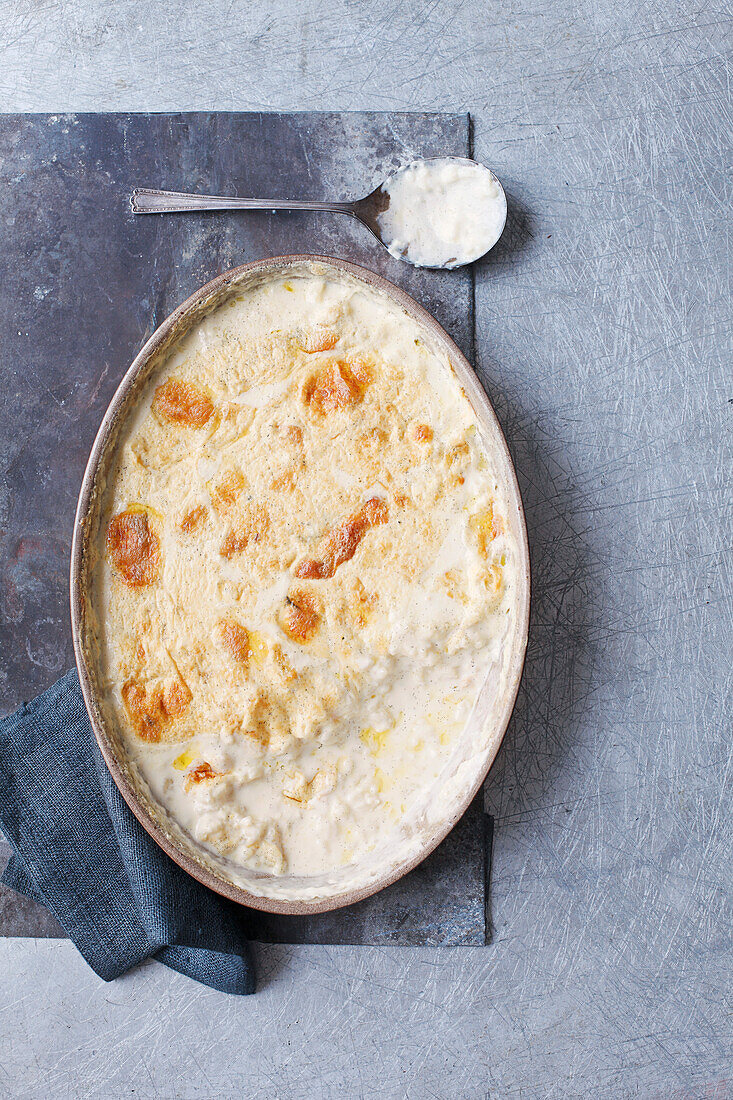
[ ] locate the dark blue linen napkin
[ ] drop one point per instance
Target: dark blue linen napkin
(80, 851)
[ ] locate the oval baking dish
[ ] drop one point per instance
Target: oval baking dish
(481, 737)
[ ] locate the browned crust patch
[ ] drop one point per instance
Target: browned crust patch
(193, 519)
(487, 526)
(199, 774)
(422, 433)
(301, 616)
(341, 543)
(337, 385)
(134, 548)
(226, 492)
(183, 403)
(151, 709)
(235, 639)
(286, 480)
(176, 698)
(458, 455)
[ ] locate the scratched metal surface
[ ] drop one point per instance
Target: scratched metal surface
(604, 342)
(84, 282)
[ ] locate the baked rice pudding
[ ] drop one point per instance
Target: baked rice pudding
(302, 578)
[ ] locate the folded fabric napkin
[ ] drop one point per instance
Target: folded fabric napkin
(80, 851)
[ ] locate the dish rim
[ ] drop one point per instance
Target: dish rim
(164, 338)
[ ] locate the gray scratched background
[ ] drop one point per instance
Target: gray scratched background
(604, 343)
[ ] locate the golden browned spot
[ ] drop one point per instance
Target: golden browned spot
(235, 639)
(199, 773)
(318, 339)
(250, 526)
(340, 545)
(233, 544)
(193, 519)
(487, 526)
(286, 481)
(300, 618)
(176, 698)
(331, 389)
(152, 708)
(338, 385)
(458, 454)
(134, 548)
(226, 491)
(145, 710)
(422, 433)
(182, 403)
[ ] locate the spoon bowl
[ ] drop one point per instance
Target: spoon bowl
(424, 212)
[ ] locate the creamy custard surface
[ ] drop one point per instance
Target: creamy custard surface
(301, 575)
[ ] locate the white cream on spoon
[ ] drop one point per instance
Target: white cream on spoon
(444, 212)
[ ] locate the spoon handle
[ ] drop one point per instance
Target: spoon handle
(147, 201)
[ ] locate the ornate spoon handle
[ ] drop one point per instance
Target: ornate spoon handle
(147, 201)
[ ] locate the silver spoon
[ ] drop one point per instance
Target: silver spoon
(367, 210)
